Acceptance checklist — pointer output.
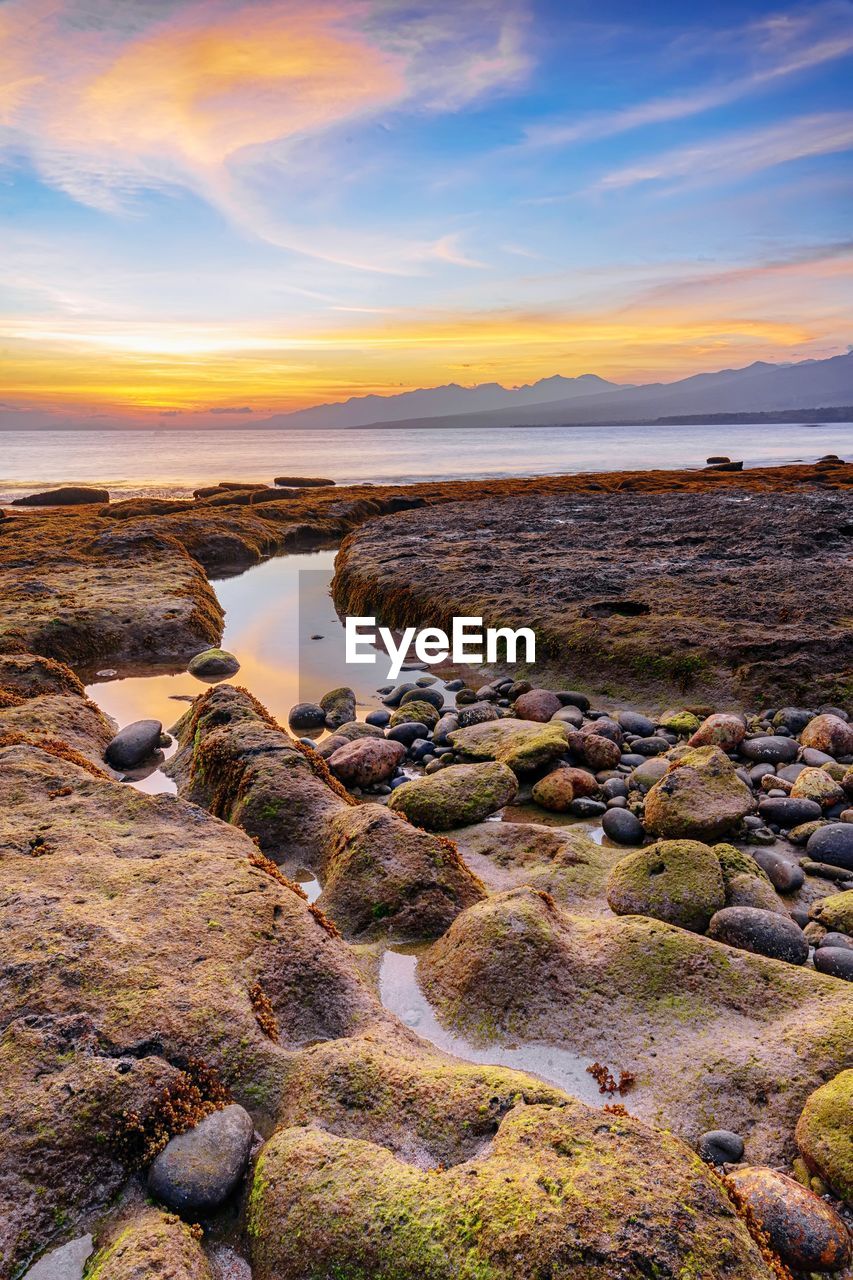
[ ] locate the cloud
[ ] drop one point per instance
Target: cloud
(738, 155)
(781, 49)
(108, 101)
(227, 408)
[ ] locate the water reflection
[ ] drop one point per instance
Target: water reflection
(401, 995)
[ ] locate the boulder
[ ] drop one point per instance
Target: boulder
(555, 791)
(834, 912)
(699, 797)
(802, 1229)
(825, 1134)
(213, 664)
(525, 746)
(456, 796)
(833, 844)
(197, 1171)
(599, 752)
(766, 933)
(719, 730)
(151, 1244)
(302, 482)
(67, 496)
(679, 881)
(552, 1185)
(788, 811)
(382, 877)
(134, 744)
(720, 1146)
(339, 706)
(65, 1263)
(367, 761)
(306, 715)
(537, 704)
(622, 826)
(836, 961)
(770, 749)
(418, 712)
(817, 785)
(829, 733)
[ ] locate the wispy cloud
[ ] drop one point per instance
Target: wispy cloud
(784, 49)
(737, 155)
(198, 96)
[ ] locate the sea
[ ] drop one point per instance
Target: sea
(173, 461)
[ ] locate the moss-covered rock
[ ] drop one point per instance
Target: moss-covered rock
(383, 877)
(709, 1032)
(456, 796)
(555, 792)
(234, 760)
(151, 1244)
(525, 746)
(746, 884)
(339, 706)
(817, 785)
(699, 797)
(825, 1134)
(719, 730)
(416, 712)
(679, 881)
(829, 733)
(681, 722)
(834, 912)
(213, 664)
(563, 1191)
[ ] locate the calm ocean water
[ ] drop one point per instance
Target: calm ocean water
(161, 462)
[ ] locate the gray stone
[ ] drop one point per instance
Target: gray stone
(770, 750)
(134, 744)
(836, 961)
(621, 826)
(198, 1170)
(833, 844)
(213, 664)
(720, 1146)
(765, 933)
(787, 811)
(65, 1263)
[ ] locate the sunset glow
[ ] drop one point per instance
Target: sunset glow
(270, 205)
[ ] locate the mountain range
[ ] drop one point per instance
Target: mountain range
(759, 388)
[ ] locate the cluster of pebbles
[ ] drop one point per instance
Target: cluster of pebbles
(741, 825)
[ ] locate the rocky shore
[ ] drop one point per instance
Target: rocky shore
(200, 1078)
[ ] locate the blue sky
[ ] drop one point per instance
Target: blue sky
(275, 204)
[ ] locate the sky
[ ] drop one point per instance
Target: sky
(243, 207)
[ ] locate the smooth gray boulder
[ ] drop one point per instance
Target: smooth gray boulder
(197, 1171)
(134, 744)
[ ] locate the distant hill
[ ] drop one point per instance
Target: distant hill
(759, 388)
(434, 402)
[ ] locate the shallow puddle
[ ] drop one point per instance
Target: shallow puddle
(281, 624)
(401, 995)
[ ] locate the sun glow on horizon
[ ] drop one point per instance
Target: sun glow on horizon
(270, 205)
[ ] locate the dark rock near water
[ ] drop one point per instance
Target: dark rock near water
(585, 807)
(197, 1171)
(837, 961)
(474, 713)
(763, 932)
(339, 706)
(622, 826)
(306, 715)
(133, 744)
(302, 482)
(67, 496)
(803, 1230)
(770, 749)
(408, 733)
(833, 844)
(720, 1146)
(379, 717)
(213, 664)
(787, 811)
(422, 694)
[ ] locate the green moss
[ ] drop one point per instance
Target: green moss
(679, 881)
(835, 912)
(825, 1134)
